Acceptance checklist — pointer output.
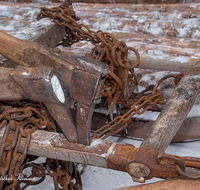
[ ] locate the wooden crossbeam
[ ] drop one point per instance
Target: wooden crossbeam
(175, 184)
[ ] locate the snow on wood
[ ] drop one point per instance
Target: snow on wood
(57, 89)
(19, 20)
(166, 36)
(160, 33)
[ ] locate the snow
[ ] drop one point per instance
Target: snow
(95, 142)
(196, 34)
(193, 5)
(24, 73)
(57, 89)
(151, 23)
(110, 150)
(180, 59)
(182, 32)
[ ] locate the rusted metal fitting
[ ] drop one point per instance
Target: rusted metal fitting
(117, 158)
(144, 164)
(100, 153)
(138, 171)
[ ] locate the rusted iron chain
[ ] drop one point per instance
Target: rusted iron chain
(135, 106)
(20, 120)
(180, 164)
(145, 163)
(121, 80)
(63, 173)
(121, 122)
(189, 162)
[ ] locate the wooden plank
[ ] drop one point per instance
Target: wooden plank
(189, 130)
(45, 31)
(135, 1)
(49, 35)
(100, 153)
(33, 54)
(146, 62)
(139, 26)
(174, 113)
(41, 145)
(175, 184)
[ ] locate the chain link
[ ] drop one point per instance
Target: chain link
(20, 120)
(107, 49)
(121, 80)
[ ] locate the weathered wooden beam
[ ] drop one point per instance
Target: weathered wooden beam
(132, 1)
(175, 184)
(189, 129)
(165, 64)
(146, 61)
(166, 125)
(100, 153)
(37, 84)
(81, 79)
(174, 113)
(49, 35)
(45, 32)
(34, 54)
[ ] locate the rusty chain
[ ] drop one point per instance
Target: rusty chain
(20, 120)
(121, 80)
(144, 102)
(180, 164)
(120, 83)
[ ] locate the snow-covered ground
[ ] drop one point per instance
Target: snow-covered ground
(155, 33)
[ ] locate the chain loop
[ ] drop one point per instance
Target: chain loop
(20, 122)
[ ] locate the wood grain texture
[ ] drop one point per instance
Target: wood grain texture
(154, 30)
(33, 54)
(175, 184)
(189, 130)
(100, 153)
(41, 145)
(45, 31)
(173, 114)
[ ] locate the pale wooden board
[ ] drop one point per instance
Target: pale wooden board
(135, 1)
(41, 145)
(167, 36)
(19, 20)
(175, 184)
